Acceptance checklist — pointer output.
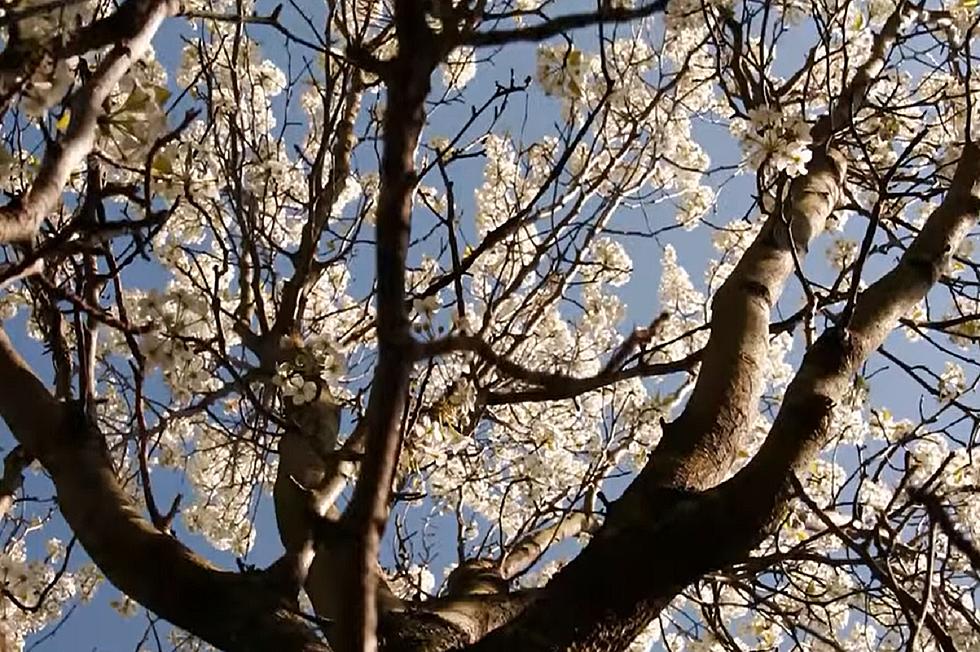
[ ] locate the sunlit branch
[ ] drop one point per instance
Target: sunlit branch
(20, 219)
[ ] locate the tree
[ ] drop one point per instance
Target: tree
(342, 255)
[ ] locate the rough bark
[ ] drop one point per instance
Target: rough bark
(450, 623)
(699, 447)
(800, 428)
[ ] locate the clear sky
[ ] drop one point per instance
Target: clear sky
(98, 627)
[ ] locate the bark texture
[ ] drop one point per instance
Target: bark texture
(699, 448)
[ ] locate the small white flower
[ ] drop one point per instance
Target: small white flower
(952, 382)
(55, 549)
(460, 68)
(271, 78)
(125, 605)
(426, 307)
(307, 393)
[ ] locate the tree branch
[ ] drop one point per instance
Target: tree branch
(21, 218)
(939, 516)
(607, 15)
(228, 610)
(698, 449)
(552, 386)
(403, 120)
(529, 550)
(656, 541)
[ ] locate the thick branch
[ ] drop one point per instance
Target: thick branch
(404, 117)
(800, 428)
(444, 624)
(529, 550)
(698, 449)
(657, 541)
(230, 611)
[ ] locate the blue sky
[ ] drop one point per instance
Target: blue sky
(98, 627)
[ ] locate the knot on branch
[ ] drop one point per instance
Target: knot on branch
(758, 290)
(648, 510)
(476, 577)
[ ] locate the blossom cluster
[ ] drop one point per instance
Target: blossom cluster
(774, 138)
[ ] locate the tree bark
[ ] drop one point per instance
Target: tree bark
(700, 447)
(408, 83)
